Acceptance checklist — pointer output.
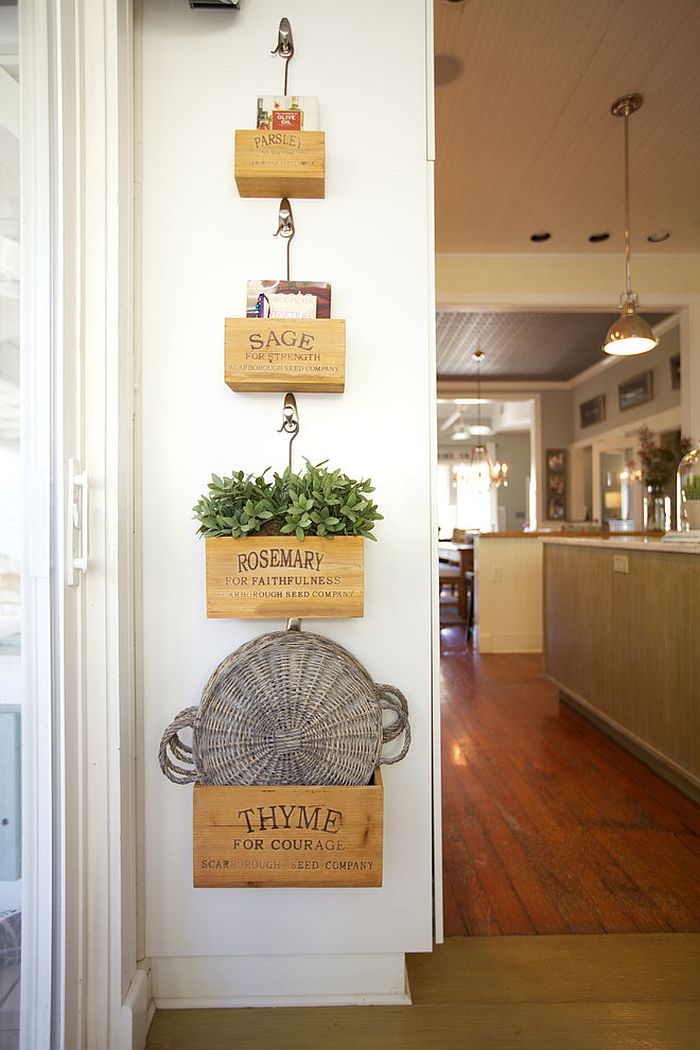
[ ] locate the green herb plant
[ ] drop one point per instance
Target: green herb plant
(316, 502)
(691, 487)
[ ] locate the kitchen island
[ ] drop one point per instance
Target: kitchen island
(622, 643)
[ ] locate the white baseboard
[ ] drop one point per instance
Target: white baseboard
(286, 980)
(137, 1013)
(529, 642)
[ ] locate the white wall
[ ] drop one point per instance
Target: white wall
(201, 73)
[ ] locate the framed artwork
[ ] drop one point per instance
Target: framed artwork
(636, 391)
(556, 483)
(592, 411)
(556, 459)
(556, 508)
(675, 363)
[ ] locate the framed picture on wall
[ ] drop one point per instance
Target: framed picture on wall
(592, 411)
(636, 391)
(675, 363)
(556, 508)
(555, 459)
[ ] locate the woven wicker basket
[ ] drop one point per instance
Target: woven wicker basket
(287, 708)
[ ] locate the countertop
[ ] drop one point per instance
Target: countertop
(549, 534)
(622, 542)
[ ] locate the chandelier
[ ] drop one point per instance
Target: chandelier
(479, 472)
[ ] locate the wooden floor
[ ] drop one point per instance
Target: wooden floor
(550, 827)
(489, 993)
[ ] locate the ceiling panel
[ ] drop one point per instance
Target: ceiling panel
(525, 138)
(544, 346)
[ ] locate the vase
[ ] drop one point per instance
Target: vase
(655, 511)
(692, 513)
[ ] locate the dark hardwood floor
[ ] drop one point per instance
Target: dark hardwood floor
(549, 826)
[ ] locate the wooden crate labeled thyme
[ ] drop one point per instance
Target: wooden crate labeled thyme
(280, 355)
(280, 163)
(288, 836)
(279, 576)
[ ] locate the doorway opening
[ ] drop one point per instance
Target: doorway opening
(550, 825)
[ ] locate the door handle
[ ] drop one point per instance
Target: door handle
(79, 520)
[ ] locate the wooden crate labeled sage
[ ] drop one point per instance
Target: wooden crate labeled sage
(307, 356)
(288, 836)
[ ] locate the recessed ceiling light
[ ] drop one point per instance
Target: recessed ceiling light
(447, 69)
(596, 238)
(659, 236)
(540, 236)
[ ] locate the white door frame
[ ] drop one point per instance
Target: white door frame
(77, 185)
(38, 593)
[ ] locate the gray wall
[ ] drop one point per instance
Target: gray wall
(664, 397)
(514, 447)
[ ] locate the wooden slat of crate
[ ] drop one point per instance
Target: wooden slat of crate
(275, 577)
(280, 163)
(279, 355)
(325, 836)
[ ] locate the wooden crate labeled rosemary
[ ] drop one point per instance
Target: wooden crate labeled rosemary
(281, 576)
(307, 356)
(288, 836)
(280, 163)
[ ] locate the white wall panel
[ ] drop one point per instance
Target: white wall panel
(371, 238)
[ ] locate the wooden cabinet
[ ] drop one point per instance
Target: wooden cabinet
(621, 641)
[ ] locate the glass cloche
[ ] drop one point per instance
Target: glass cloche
(688, 491)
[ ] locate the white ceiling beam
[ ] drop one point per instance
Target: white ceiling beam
(9, 102)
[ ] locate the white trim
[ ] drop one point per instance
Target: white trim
(38, 616)
(668, 419)
(191, 982)
(438, 915)
(576, 257)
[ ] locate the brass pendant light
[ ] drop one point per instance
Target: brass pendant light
(630, 334)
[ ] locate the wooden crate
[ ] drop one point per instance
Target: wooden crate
(279, 576)
(279, 355)
(324, 836)
(280, 163)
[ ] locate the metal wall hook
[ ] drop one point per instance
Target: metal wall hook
(290, 421)
(286, 227)
(285, 47)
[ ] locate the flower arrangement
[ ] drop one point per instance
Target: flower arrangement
(316, 502)
(659, 462)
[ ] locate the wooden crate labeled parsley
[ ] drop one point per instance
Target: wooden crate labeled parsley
(280, 163)
(288, 836)
(286, 546)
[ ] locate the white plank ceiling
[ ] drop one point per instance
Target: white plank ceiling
(525, 138)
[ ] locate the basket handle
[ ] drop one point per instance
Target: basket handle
(392, 699)
(172, 750)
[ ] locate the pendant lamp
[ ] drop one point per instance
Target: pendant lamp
(630, 334)
(483, 474)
